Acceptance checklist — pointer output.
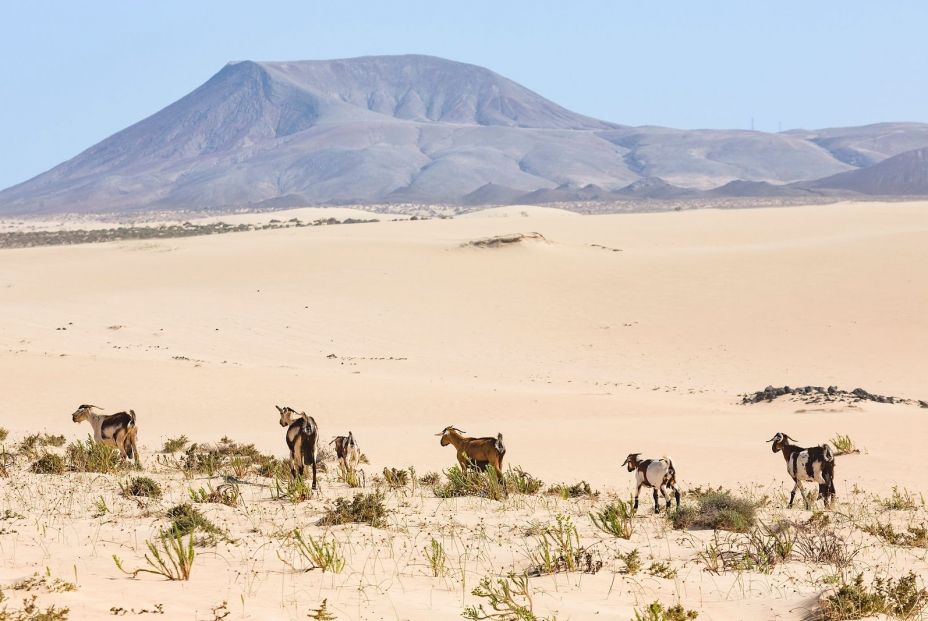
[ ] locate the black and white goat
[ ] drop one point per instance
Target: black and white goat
(816, 463)
(302, 437)
(657, 474)
(347, 452)
(116, 430)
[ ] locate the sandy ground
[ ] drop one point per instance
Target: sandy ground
(618, 334)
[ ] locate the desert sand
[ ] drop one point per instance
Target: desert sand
(612, 334)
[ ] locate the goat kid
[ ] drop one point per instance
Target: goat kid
(347, 452)
(478, 453)
(816, 463)
(302, 435)
(656, 474)
(116, 430)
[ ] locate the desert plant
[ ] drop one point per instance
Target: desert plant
(559, 550)
(31, 611)
(363, 508)
(577, 490)
(662, 569)
(509, 599)
(900, 599)
(173, 561)
(395, 477)
(655, 611)
(92, 456)
(173, 445)
(141, 486)
(912, 537)
(49, 463)
(4, 434)
(900, 500)
(187, 519)
(522, 482)
(322, 553)
(631, 561)
(485, 484)
(435, 555)
(430, 479)
(322, 612)
(716, 510)
(287, 487)
(227, 494)
(33, 445)
(615, 519)
(844, 445)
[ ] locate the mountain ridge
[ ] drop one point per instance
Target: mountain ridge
(415, 128)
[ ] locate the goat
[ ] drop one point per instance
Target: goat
(656, 474)
(116, 430)
(347, 452)
(302, 436)
(479, 453)
(807, 464)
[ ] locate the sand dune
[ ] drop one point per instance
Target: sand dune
(615, 334)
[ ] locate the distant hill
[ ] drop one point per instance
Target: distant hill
(417, 129)
(905, 174)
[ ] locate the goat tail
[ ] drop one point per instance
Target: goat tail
(827, 454)
(132, 418)
(500, 447)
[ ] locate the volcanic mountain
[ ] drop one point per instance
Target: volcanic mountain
(400, 129)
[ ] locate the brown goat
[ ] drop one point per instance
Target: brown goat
(476, 453)
(302, 436)
(347, 452)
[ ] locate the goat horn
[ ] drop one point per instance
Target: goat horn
(96, 406)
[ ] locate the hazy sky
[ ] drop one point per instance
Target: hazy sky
(76, 72)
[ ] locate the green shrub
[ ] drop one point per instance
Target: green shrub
(4, 434)
(912, 537)
(320, 553)
(844, 445)
(363, 509)
(522, 482)
(91, 456)
(615, 519)
(509, 598)
(141, 486)
(172, 445)
(902, 599)
(187, 519)
(174, 559)
(485, 484)
(49, 463)
(656, 612)
(430, 479)
(33, 445)
(577, 490)
(717, 510)
(395, 477)
(226, 494)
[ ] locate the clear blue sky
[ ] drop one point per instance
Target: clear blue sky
(76, 72)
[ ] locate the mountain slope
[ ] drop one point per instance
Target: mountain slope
(403, 129)
(905, 174)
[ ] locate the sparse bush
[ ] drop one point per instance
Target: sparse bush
(485, 484)
(912, 537)
(577, 490)
(322, 612)
(844, 445)
(509, 598)
(49, 463)
(363, 508)
(294, 489)
(4, 434)
(716, 510)
(320, 553)
(902, 599)
(615, 519)
(91, 456)
(33, 445)
(430, 479)
(662, 569)
(656, 612)
(227, 494)
(395, 477)
(901, 500)
(187, 519)
(173, 561)
(435, 555)
(173, 445)
(522, 482)
(31, 611)
(559, 550)
(141, 486)
(632, 562)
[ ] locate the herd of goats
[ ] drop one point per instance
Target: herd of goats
(815, 464)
